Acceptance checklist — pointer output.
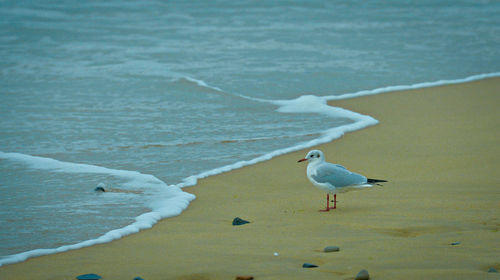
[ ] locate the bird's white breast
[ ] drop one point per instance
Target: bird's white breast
(312, 171)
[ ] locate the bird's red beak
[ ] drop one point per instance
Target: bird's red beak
(301, 160)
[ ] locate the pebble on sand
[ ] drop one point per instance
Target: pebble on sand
(362, 275)
(244, 277)
(309, 265)
(331, 249)
(99, 189)
(492, 270)
(238, 221)
(455, 243)
(90, 276)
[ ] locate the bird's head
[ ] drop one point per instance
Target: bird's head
(313, 156)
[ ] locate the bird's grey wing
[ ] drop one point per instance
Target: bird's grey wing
(337, 175)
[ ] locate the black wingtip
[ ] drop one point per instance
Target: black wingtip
(375, 181)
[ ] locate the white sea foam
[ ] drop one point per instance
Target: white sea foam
(42, 163)
(201, 83)
(168, 201)
(414, 86)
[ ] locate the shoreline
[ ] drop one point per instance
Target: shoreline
(362, 122)
(409, 139)
(332, 134)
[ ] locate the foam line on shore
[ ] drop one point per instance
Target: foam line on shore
(414, 86)
(168, 200)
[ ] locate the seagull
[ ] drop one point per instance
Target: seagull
(333, 178)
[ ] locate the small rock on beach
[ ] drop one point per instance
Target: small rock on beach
(331, 249)
(90, 276)
(238, 221)
(309, 265)
(492, 270)
(244, 277)
(362, 275)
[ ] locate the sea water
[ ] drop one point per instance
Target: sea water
(147, 97)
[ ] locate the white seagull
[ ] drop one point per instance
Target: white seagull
(333, 178)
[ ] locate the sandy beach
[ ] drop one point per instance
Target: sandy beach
(438, 147)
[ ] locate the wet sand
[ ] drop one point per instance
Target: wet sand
(439, 149)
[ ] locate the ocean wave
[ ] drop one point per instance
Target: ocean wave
(168, 200)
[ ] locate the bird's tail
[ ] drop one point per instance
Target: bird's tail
(375, 181)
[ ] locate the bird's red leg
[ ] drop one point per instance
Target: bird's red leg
(327, 204)
(334, 201)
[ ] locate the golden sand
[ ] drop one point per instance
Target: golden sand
(439, 149)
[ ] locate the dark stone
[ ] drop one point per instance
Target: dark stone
(309, 265)
(331, 249)
(492, 270)
(362, 275)
(90, 276)
(99, 189)
(138, 278)
(238, 221)
(244, 277)
(455, 243)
